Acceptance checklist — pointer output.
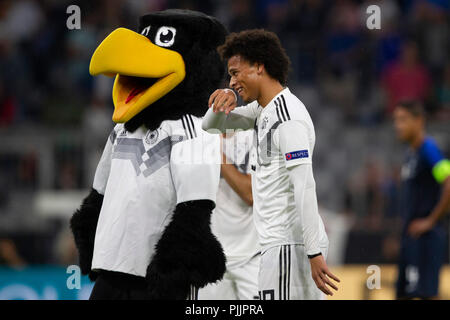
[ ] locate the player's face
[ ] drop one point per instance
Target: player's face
(245, 78)
(406, 125)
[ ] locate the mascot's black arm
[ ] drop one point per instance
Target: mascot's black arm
(84, 224)
(187, 253)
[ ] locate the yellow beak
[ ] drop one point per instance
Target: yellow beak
(137, 63)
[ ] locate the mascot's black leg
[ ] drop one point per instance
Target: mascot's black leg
(84, 224)
(187, 254)
(119, 286)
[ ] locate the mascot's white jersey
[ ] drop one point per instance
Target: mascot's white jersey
(232, 221)
(143, 176)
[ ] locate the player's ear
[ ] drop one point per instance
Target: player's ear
(260, 69)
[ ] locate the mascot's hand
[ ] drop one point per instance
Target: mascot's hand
(188, 254)
(83, 225)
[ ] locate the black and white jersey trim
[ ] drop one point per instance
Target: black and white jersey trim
(282, 111)
(193, 293)
(284, 280)
(113, 136)
(285, 107)
(188, 126)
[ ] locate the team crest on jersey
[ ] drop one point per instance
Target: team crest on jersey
(408, 169)
(265, 121)
(152, 136)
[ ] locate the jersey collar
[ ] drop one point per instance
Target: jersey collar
(271, 104)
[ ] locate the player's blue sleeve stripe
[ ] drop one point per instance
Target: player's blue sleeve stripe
(431, 152)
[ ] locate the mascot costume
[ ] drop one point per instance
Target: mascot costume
(144, 231)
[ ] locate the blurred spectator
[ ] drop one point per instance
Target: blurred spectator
(206, 6)
(65, 251)
(342, 45)
(7, 106)
(242, 15)
(276, 13)
(430, 25)
(5, 191)
(390, 248)
(364, 197)
(390, 190)
(443, 95)
(9, 255)
(22, 19)
(406, 79)
(342, 39)
(373, 196)
(389, 38)
(96, 125)
(27, 170)
(307, 33)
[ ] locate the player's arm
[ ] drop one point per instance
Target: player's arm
(441, 172)
(241, 183)
(294, 145)
(310, 220)
(224, 114)
(444, 202)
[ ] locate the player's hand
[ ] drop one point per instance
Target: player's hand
(320, 274)
(223, 100)
(419, 226)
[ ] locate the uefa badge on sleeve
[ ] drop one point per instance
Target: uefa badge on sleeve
(296, 155)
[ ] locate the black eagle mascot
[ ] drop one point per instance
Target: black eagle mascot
(144, 231)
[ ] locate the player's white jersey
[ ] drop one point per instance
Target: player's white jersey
(277, 219)
(232, 220)
(143, 176)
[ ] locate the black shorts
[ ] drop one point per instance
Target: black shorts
(419, 265)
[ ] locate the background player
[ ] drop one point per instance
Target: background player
(426, 197)
(290, 228)
(232, 223)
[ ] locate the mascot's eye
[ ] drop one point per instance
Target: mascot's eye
(165, 37)
(145, 31)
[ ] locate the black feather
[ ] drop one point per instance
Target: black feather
(83, 225)
(187, 254)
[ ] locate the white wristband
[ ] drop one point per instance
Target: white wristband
(235, 96)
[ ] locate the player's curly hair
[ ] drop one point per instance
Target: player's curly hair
(258, 46)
